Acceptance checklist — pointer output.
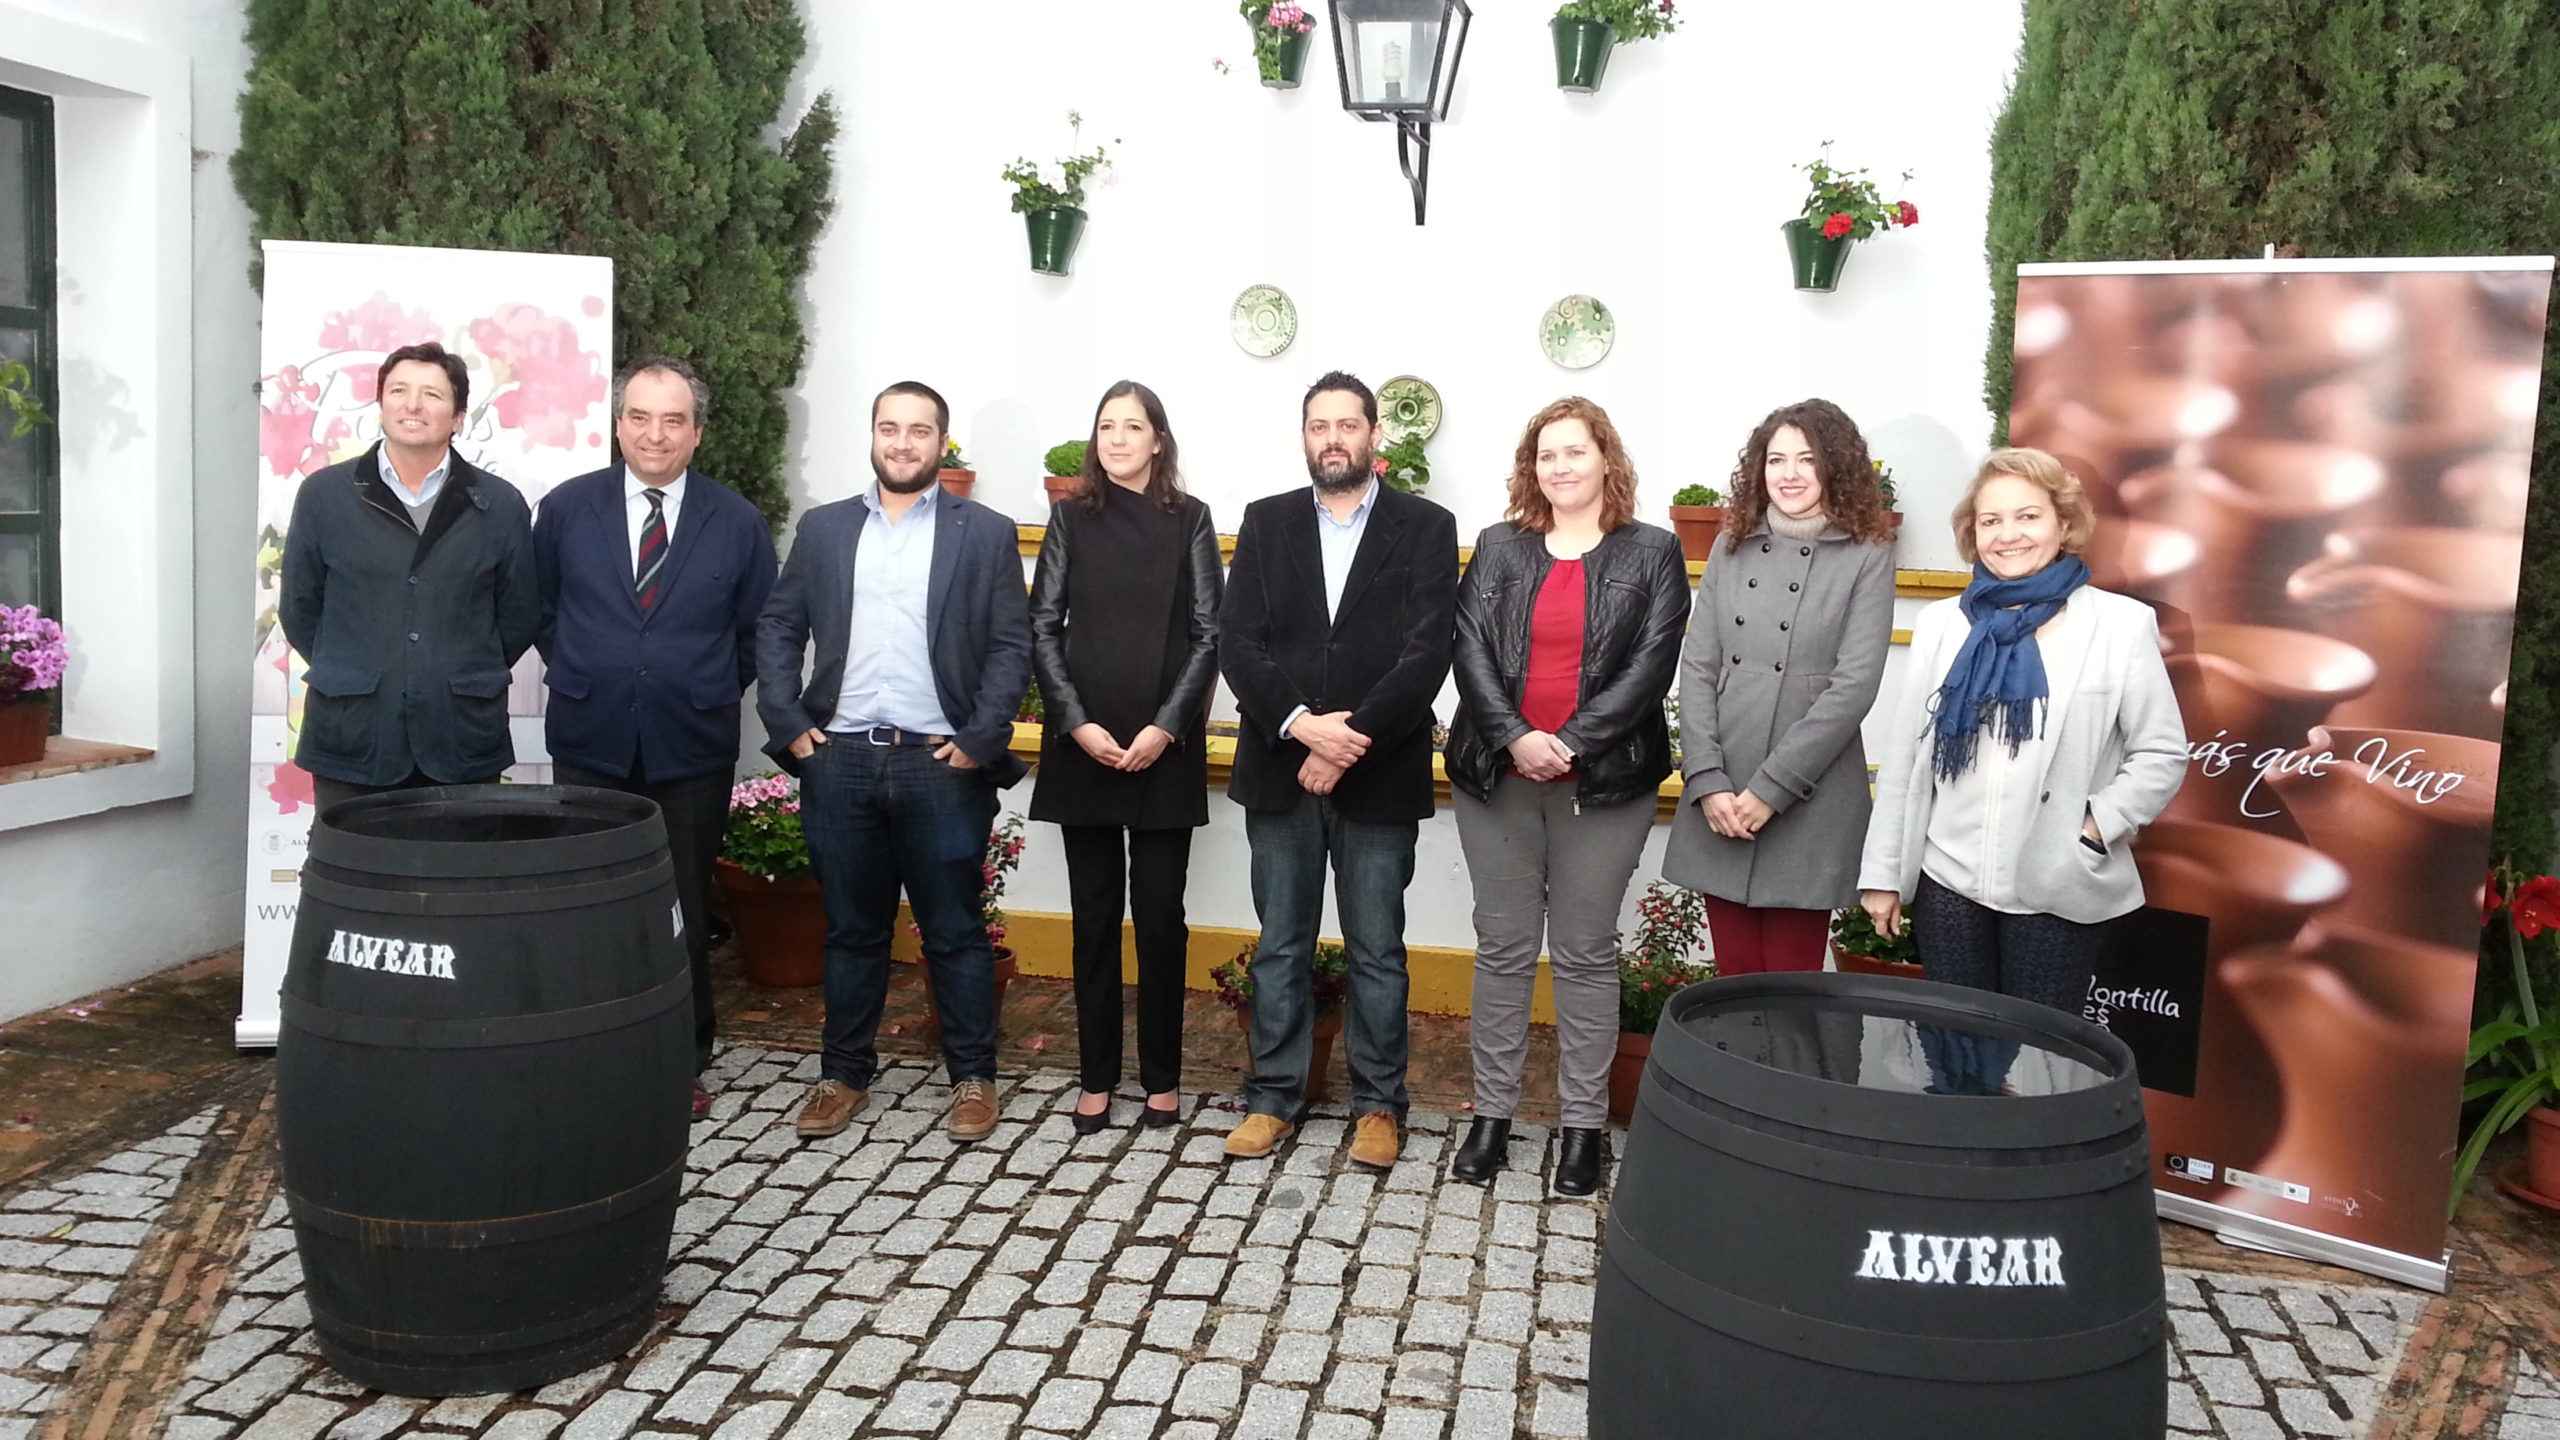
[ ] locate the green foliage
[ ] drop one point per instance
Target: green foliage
(2514, 1060)
(1632, 19)
(1854, 930)
(952, 459)
(1697, 495)
(1832, 195)
(763, 836)
(2184, 129)
(1050, 184)
(1331, 979)
(1670, 923)
(14, 381)
(1408, 467)
(1065, 461)
(646, 133)
(1884, 482)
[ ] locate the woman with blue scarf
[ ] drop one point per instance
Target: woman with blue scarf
(2035, 734)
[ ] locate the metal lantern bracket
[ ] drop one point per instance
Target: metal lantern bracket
(1413, 156)
(1412, 100)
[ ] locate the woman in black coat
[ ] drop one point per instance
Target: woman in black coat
(1124, 628)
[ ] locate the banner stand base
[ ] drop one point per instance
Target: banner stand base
(254, 1034)
(2258, 1232)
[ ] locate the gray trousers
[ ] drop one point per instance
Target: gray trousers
(1543, 872)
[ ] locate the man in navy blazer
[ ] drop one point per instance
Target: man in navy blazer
(652, 576)
(906, 606)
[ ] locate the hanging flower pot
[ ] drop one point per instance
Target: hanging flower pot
(1054, 233)
(1288, 61)
(1582, 53)
(1814, 260)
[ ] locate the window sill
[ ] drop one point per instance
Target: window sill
(66, 756)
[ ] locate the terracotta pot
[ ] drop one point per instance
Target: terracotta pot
(2258, 509)
(2140, 558)
(1849, 964)
(1061, 488)
(2407, 813)
(958, 482)
(1626, 1073)
(2542, 1150)
(2258, 687)
(2435, 607)
(23, 724)
(1005, 971)
(781, 924)
(1319, 1066)
(1697, 526)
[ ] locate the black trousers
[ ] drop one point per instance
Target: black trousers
(2043, 958)
(1150, 872)
(697, 811)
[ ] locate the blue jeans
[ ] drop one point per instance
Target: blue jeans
(1372, 865)
(879, 819)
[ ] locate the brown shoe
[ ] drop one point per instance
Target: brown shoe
(1373, 1140)
(973, 1109)
(1258, 1136)
(831, 1106)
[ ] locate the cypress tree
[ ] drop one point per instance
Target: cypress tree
(2208, 129)
(642, 131)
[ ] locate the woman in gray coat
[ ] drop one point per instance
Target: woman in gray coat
(1786, 649)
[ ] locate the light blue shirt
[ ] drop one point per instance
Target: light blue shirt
(1337, 541)
(422, 504)
(888, 660)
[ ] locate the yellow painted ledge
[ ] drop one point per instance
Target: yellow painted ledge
(1911, 584)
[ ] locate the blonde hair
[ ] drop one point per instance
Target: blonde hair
(2070, 500)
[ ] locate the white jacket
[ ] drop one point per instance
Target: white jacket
(2117, 749)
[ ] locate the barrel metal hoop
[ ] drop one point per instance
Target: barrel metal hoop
(386, 1233)
(376, 900)
(405, 1032)
(1988, 1360)
(1950, 1180)
(409, 1344)
(633, 838)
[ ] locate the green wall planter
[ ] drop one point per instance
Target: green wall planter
(1815, 261)
(1054, 233)
(1582, 53)
(1293, 61)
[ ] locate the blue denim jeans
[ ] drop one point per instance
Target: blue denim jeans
(881, 819)
(1372, 865)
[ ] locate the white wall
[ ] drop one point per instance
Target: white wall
(105, 898)
(1661, 195)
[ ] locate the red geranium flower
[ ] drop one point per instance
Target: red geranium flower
(1837, 226)
(2536, 906)
(1910, 213)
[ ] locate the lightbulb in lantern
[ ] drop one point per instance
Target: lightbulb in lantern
(1393, 70)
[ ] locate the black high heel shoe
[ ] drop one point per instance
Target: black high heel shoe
(1487, 1149)
(1578, 1158)
(1091, 1124)
(1155, 1117)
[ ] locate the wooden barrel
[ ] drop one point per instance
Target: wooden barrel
(482, 1082)
(1853, 1206)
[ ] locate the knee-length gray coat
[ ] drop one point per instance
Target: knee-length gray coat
(1785, 653)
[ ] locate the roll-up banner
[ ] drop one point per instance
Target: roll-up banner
(2316, 472)
(536, 332)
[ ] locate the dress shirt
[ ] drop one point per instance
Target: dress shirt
(1978, 821)
(888, 661)
(1337, 541)
(635, 506)
(422, 504)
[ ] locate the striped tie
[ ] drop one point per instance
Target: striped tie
(653, 549)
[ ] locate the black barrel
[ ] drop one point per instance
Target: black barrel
(482, 1082)
(1854, 1206)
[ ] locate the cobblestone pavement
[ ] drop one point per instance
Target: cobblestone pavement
(2533, 1412)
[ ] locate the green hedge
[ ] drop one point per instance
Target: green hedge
(645, 132)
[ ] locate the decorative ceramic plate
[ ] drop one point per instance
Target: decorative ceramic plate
(1408, 407)
(1577, 331)
(1264, 321)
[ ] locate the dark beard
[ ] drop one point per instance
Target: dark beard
(1333, 482)
(908, 487)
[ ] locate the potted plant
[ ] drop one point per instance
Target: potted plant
(1003, 857)
(1280, 31)
(955, 475)
(16, 381)
(1670, 921)
(2516, 1057)
(1841, 208)
(1331, 981)
(1585, 31)
(1403, 465)
(1049, 196)
(1892, 501)
(1856, 948)
(1697, 516)
(774, 902)
(32, 659)
(1066, 470)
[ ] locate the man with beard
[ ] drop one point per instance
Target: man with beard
(908, 606)
(1335, 637)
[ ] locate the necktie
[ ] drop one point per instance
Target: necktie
(653, 549)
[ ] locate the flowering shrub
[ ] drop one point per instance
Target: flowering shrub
(1048, 184)
(1004, 856)
(1854, 930)
(1404, 465)
(1846, 202)
(1632, 19)
(764, 836)
(1670, 921)
(1331, 980)
(32, 654)
(2514, 1060)
(1272, 22)
(951, 456)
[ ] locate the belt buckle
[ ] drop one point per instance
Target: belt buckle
(875, 732)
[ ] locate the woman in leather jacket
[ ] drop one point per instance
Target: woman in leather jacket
(1124, 633)
(1569, 623)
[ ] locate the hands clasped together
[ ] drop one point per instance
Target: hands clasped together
(1332, 748)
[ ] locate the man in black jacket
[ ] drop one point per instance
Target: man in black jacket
(1335, 636)
(408, 589)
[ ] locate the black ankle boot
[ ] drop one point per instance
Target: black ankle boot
(1578, 1157)
(1488, 1147)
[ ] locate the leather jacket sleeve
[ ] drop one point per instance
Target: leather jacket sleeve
(1061, 709)
(1605, 716)
(1480, 689)
(1190, 697)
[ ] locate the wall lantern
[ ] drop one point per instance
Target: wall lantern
(1398, 60)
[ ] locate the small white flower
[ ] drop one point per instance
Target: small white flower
(1054, 175)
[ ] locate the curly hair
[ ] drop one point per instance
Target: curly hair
(1850, 494)
(1529, 508)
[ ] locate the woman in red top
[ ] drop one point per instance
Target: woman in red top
(1569, 624)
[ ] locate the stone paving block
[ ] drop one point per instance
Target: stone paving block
(1424, 1375)
(1066, 1406)
(1330, 1426)
(295, 1417)
(1097, 1353)
(463, 1412)
(2226, 1381)
(792, 1371)
(1148, 1378)
(1210, 1389)
(525, 1425)
(961, 1344)
(1175, 1324)
(1127, 1422)
(257, 1387)
(870, 1363)
(1404, 1422)
(1382, 1287)
(1272, 1412)
(831, 1417)
(751, 1344)
(698, 1399)
(919, 1407)
(384, 1415)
